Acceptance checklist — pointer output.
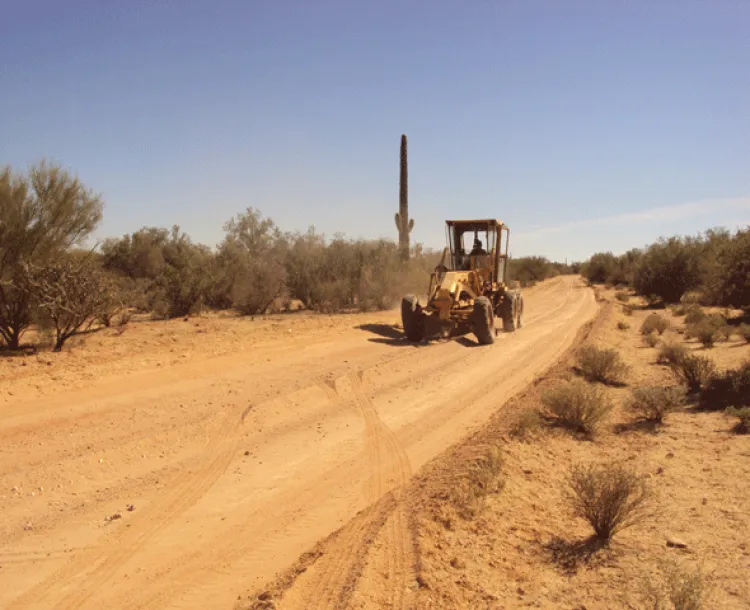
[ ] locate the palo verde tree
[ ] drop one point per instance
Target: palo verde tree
(43, 213)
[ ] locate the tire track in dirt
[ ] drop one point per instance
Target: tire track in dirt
(188, 489)
(335, 573)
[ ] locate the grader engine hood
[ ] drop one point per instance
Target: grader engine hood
(454, 286)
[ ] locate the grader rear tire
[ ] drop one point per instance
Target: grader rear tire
(483, 321)
(412, 319)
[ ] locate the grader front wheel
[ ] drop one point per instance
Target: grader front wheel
(483, 321)
(412, 319)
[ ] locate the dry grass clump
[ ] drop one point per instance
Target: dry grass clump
(671, 353)
(744, 332)
(526, 424)
(623, 325)
(652, 403)
(602, 365)
(743, 415)
(679, 589)
(622, 296)
(609, 496)
(651, 339)
(482, 479)
(577, 405)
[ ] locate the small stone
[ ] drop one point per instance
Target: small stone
(676, 543)
(704, 501)
(247, 453)
(115, 516)
(28, 527)
(131, 508)
(670, 455)
(15, 489)
(659, 470)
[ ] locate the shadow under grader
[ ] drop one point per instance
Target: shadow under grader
(392, 334)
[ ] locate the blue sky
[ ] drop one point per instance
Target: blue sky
(586, 126)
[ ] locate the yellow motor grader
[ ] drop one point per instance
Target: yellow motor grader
(468, 288)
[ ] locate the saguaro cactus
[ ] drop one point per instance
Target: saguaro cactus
(404, 224)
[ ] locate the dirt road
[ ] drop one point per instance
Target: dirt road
(235, 461)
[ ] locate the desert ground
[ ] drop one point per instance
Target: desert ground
(183, 464)
(312, 461)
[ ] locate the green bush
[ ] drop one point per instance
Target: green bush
(743, 415)
(654, 322)
(706, 331)
(728, 389)
(694, 372)
(652, 403)
(623, 297)
(603, 365)
(668, 269)
(577, 405)
(694, 314)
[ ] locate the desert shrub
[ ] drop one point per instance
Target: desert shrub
(252, 262)
(743, 415)
(668, 269)
(609, 496)
(727, 269)
(678, 310)
(706, 331)
(43, 213)
(730, 388)
(651, 339)
(530, 269)
(725, 332)
(654, 402)
(693, 371)
(623, 325)
(600, 268)
(654, 323)
(69, 294)
(623, 297)
(482, 478)
(694, 314)
(577, 405)
(627, 310)
(526, 424)
(603, 365)
(671, 353)
(744, 332)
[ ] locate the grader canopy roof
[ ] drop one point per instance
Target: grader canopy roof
(474, 225)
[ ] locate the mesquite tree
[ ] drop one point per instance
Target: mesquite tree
(69, 294)
(42, 214)
(404, 224)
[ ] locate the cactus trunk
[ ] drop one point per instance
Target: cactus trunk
(404, 224)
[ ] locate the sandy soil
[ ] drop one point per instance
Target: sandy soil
(520, 546)
(189, 463)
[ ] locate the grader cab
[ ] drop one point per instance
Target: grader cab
(468, 288)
